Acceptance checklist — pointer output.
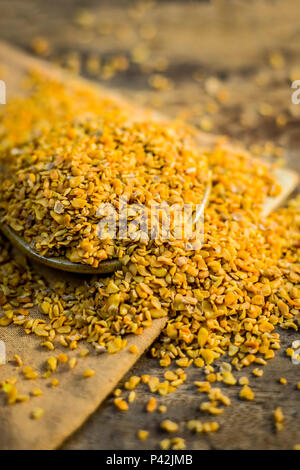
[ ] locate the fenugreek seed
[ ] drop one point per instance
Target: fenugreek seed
(88, 373)
(72, 362)
(202, 337)
(37, 413)
(258, 372)
(142, 434)
(52, 364)
(278, 418)
(18, 360)
(199, 362)
(84, 352)
(228, 378)
(121, 404)
(243, 381)
(22, 398)
(283, 381)
(131, 396)
(36, 392)
(151, 405)
(169, 375)
(132, 382)
(48, 345)
(247, 393)
(165, 444)
(63, 358)
(133, 349)
(210, 426)
(239, 283)
(162, 409)
(29, 373)
(178, 443)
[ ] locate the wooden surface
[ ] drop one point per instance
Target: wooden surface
(244, 425)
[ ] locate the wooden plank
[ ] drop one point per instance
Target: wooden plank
(60, 420)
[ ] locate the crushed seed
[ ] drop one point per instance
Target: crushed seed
(37, 413)
(121, 404)
(142, 434)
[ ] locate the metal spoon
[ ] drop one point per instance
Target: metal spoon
(63, 264)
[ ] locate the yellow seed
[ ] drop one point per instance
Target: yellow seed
(243, 381)
(132, 396)
(289, 352)
(63, 358)
(184, 362)
(202, 337)
(165, 444)
(142, 435)
(247, 393)
(258, 372)
(22, 398)
(46, 306)
(37, 413)
(133, 349)
(52, 363)
(11, 394)
(178, 443)
(132, 382)
(54, 382)
(121, 404)
(4, 321)
(88, 373)
(48, 345)
(29, 373)
(278, 418)
(36, 392)
(151, 405)
(199, 362)
(72, 362)
(169, 375)
(18, 360)
(228, 378)
(162, 409)
(208, 356)
(169, 426)
(195, 426)
(84, 352)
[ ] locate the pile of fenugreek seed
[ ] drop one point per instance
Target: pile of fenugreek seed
(70, 152)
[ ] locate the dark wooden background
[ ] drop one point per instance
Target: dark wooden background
(227, 67)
